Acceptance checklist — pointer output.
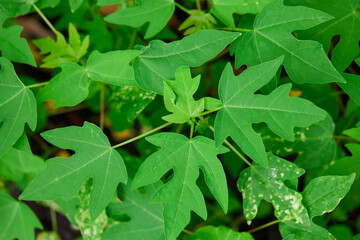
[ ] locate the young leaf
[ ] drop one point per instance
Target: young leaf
(352, 86)
(13, 47)
(156, 12)
(323, 194)
(315, 145)
(75, 4)
(60, 51)
(94, 158)
(181, 194)
(196, 21)
(17, 106)
(242, 108)
(144, 217)
(221, 232)
(71, 86)
(345, 23)
(225, 9)
(182, 105)
(17, 220)
(305, 61)
(313, 232)
(160, 60)
(257, 183)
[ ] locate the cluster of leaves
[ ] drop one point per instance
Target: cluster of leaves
(282, 106)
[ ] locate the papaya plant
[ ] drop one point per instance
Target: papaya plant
(179, 119)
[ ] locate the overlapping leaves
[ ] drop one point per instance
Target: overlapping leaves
(305, 61)
(242, 108)
(94, 158)
(181, 194)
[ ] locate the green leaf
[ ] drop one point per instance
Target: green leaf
(217, 233)
(144, 217)
(71, 86)
(60, 51)
(352, 86)
(257, 183)
(126, 103)
(160, 60)
(13, 47)
(345, 23)
(242, 108)
(225, 9)
(181, 194)
(94, 158)
(75, 4)
(305, 61)
(19, 161)
(323, 194)
(315, 145)
(156, 12)
(17, 220)
(14, 8)
(182, 105)
(314, 232)
(196, 21)
(17, 106)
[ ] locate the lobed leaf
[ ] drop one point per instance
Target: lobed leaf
(181, 194)
(221, 232)
(94, 158)
(242, 108)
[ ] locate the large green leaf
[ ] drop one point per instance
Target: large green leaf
(144, 217)
(242, 108)
(71, 86)
(352, 86)
(160, 60)
(324, 193)
(345, 23)
(13, 47)
(60, 51)
(94, 158)
(182, 105)
(315, 145)
(257, 183)
(17, 221)
(17, 106)
(181, 194)
(155, 12)
(225, 9)
(217, 233)
(305, 61)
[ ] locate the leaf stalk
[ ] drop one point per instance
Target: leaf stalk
(44, 18)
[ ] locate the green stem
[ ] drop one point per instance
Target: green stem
(53, 220)
(344, 137)
(44, 18)
(102, 107)
(198, 5)
(210, 111)
(141, 136)
(183, 8)
(188, 232)
(263, 226)
(132, 40)
(234, 149)
(192, 130)
(37, 85)
(236, 29)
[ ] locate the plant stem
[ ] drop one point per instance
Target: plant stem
(188, 232)
(141, 136)
(37, 85)
(198, 5)
(234, 149)
(264, 226)
(344, 137)
(102, 107)
(210, 111)
(236, 29)
(132, 40)
(53, 220)
(44, 18)
(192, 130)
(183, 8)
